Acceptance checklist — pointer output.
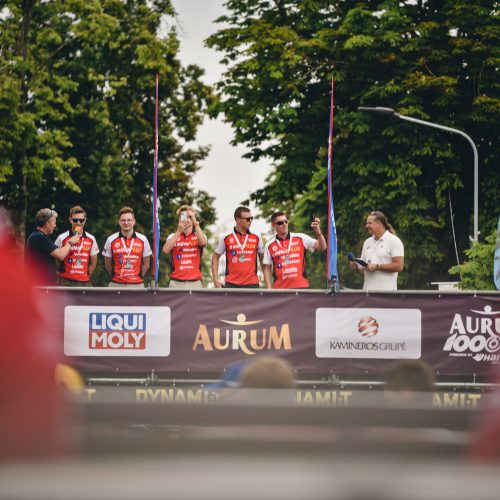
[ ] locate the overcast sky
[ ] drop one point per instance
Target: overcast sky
(224, 174)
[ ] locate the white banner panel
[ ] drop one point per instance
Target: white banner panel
(377, 333)
(116, 331)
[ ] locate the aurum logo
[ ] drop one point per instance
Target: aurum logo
(476, 336)
(244, 336)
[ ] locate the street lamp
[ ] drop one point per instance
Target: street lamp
(391, 112)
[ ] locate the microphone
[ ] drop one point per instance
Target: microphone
(361, 262)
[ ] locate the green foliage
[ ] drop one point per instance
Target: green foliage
(476, 273)
(432, 60)
(77, 97)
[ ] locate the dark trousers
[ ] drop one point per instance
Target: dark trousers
(66, 282)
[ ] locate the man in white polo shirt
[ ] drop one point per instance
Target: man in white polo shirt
(384, 254)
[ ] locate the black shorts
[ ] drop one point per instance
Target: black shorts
(232, 285)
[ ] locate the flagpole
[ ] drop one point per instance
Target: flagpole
(156, 222)
(331, 261)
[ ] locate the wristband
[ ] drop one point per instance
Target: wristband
(376, 269)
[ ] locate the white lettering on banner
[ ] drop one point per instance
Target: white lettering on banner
(116, 331)
(476, 336)
(117, 321)
(378, 333)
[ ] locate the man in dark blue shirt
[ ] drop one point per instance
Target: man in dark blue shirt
(41, 251)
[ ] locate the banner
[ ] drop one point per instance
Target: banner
(331, 259)
(206, 331)
(156, 219)
(496, 261)
(303, 397)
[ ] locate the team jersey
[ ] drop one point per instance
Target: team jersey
(126, 255)
(185, 258)
(75, 266)
(288, 258)
(241, 256)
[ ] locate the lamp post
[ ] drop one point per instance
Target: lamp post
(391, 112)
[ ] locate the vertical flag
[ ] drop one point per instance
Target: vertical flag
(496, 260)
(331, 262)
(156, 220)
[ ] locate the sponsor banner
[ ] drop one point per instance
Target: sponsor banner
(373, 333)
(205, 332)
(475, 335)
(116, 331)
(305, 397)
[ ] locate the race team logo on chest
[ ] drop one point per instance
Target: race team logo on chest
(186, 258)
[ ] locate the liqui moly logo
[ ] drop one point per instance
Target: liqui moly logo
(117, 330)
(475, 335)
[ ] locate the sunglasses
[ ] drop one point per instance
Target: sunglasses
(248, 219)
(282, 222)
(78, 221)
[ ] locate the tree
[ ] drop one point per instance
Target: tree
(431, 59)
(476, 273)
(33, 104)
(79, 129)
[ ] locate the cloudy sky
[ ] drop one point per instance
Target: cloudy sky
(225, 174)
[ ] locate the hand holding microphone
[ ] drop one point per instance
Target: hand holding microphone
(77, 234)
(361, 262)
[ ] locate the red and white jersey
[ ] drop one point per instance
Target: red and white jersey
(288, 258)
(185, 258)
(241, 256)
(75, 266)
(127, 255)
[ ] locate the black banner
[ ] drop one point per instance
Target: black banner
(206, 331)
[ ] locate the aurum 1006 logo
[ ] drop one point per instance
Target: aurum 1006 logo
(476, 336)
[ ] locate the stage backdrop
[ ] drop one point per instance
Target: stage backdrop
(206, 331)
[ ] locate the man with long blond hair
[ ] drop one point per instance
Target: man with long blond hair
(383, 253)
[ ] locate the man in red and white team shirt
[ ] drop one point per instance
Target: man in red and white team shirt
(185, 248)
(286, 253)
(242, 248)
(81, 261)
(127, 253)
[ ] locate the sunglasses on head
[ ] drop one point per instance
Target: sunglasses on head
(248, 219)
(78, 221)
(281, 222)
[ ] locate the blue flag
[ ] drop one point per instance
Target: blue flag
(331, 263)
(496, 261)
(156, 219)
